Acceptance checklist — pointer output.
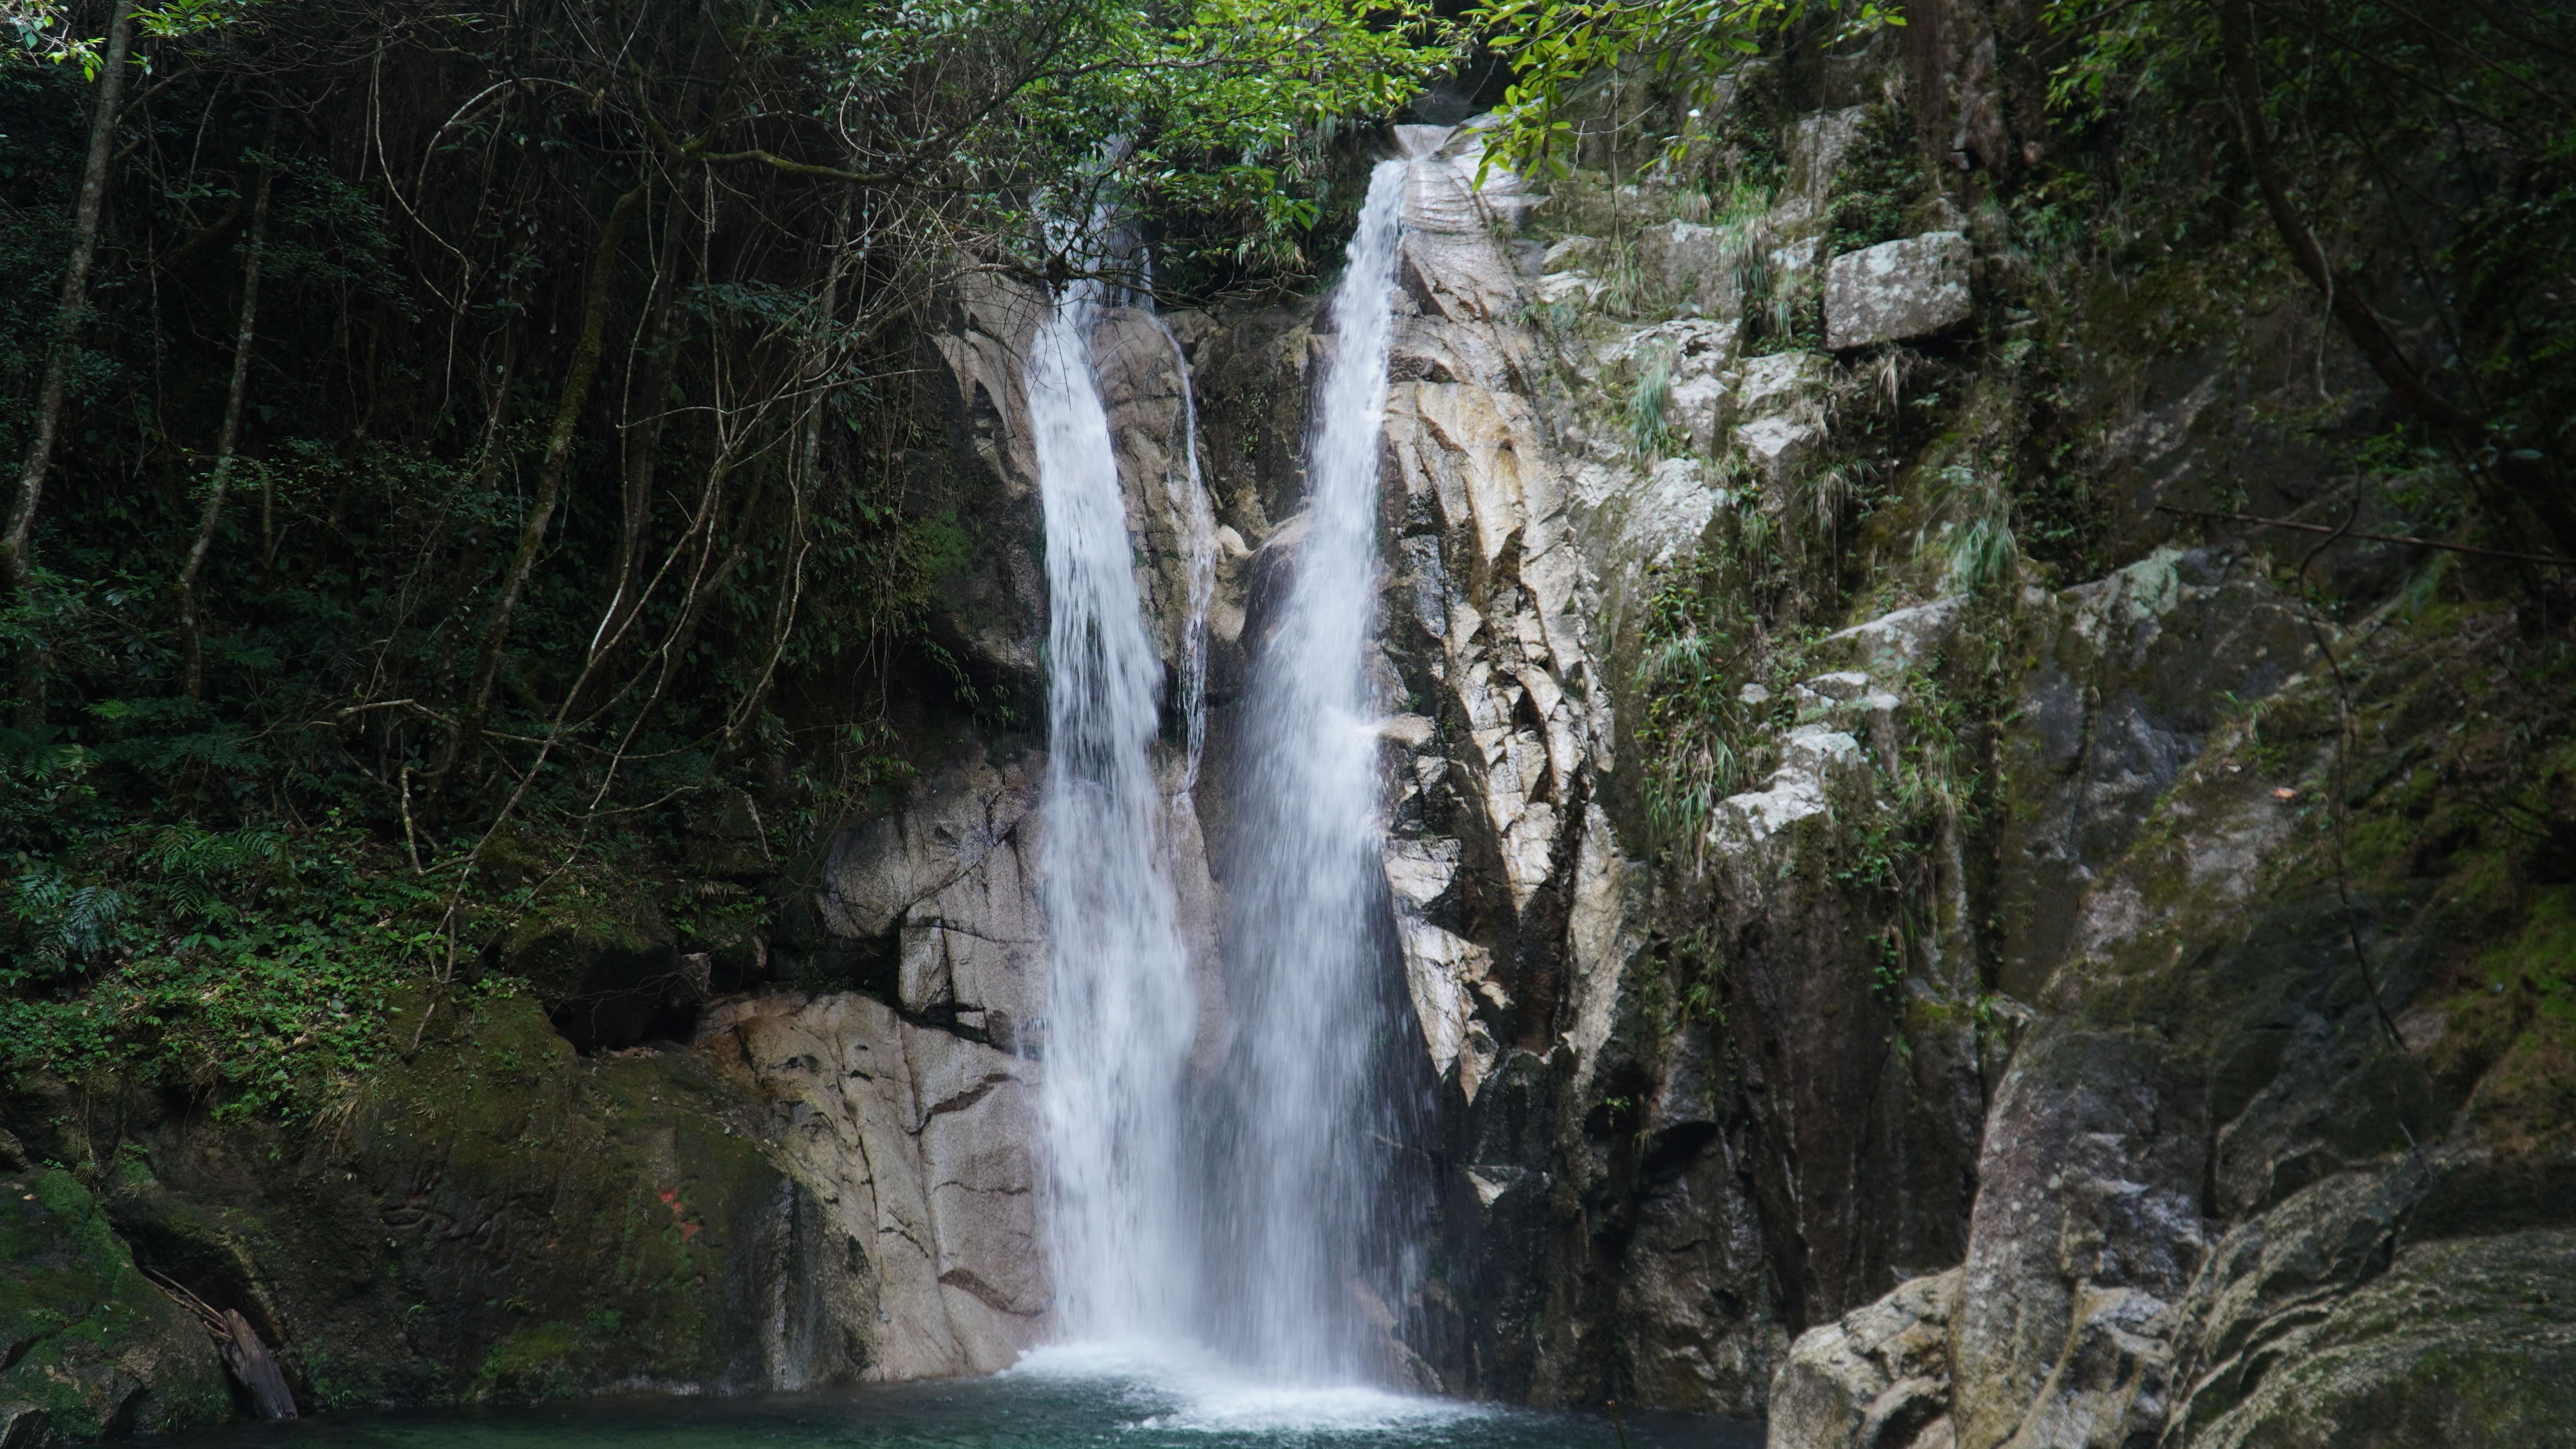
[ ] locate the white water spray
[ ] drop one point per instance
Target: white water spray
(1301, 1217)
(1121, 1012)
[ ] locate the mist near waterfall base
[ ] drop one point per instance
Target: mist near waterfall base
(1045, 1404)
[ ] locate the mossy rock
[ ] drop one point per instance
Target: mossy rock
(491, 1217)
(572, 941)
(551, 1225)
(2469, 1341)
(89, 1342)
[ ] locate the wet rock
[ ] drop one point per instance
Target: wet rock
(1911, 287)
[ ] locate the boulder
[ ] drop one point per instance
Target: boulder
(1779, 446)
(2467, 1341)
(1878, 1378)
(1779, 397)
(1696, 409)
(1571, 254)
(1578, 288)
(92, 1347)
(1678, 259)
(2086, 1228)
(1666, 519)
(1778, 382)
(1911, 287)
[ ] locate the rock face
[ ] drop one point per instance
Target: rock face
(917, 1149)
(947, 890)
(2135, 1115)
(1912, 287)
(1684, 259)
(2236, 1148)
(492, 1216)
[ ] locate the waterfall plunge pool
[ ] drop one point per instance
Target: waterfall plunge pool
(1063, 1398)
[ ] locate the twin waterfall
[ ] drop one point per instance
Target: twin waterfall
(1234, 1210)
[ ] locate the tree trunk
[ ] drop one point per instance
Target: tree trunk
(644, 442)
(191, 631)
(2501, 482)
(532, 537)
(16, 566)
(256, 1367)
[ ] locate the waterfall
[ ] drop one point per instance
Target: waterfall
(1121, 1012)
(1271, 1246)
(1300, 1214)
(1202, 527)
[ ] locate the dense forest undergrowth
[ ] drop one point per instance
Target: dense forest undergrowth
(482, 502)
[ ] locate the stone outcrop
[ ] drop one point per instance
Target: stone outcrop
(491, 1216)
(2130, 1125)
(1911, 287)
(2232, 1156)
(946, 890)
(1877, 1378)
(92, 1346)
(917, 1148)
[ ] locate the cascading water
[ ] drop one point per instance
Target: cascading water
(1270, 1264)
(1121, 1011)
(1300, 1214)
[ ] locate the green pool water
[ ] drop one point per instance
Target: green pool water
(1061, 1399)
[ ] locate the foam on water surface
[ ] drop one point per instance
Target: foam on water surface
(1181, 1387)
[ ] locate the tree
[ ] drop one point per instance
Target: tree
(73, 303)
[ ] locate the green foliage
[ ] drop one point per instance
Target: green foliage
(759, 571)
(1700, 643)
(1650, 433)
(248, 961)
(1877, 185)
(1973, 540)
(1557, 48)
(2434, 160)
(1219, 115)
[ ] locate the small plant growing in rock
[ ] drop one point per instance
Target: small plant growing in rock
(1650, 429)
(1975, 541)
